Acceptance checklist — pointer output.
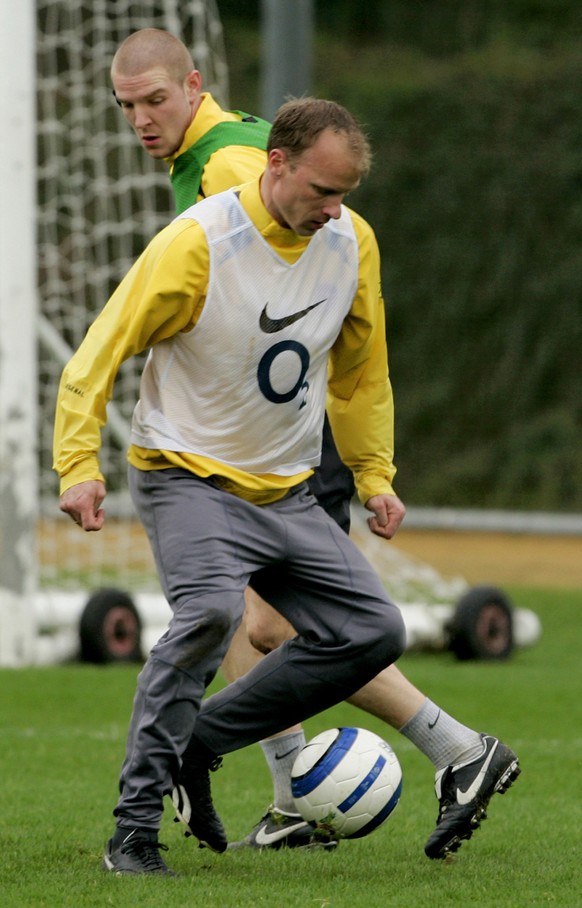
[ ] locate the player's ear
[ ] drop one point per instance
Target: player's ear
(277, 160)
(193, 84)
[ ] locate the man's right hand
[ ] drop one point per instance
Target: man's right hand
(83, 504)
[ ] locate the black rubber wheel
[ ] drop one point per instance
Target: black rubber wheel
(482, 625)
(110, 628)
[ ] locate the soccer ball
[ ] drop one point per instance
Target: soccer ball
(346, 782)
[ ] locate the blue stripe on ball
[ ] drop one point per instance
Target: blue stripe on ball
(380, 817)
(302, 785)
(363, 786)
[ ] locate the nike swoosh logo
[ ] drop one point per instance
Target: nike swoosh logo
(128, 837)
(432, 724)
(463, 797)
(267, 838)
(286, 754)
(272, 325)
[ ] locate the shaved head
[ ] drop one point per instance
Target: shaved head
(149, 48)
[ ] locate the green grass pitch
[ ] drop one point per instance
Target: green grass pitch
(62, 733)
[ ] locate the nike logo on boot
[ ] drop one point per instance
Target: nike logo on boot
(464, 797)
(265, 838)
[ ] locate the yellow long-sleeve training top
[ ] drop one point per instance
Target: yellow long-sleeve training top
(163, 294)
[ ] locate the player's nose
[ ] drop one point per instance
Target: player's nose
(332, 210)
(141, 117)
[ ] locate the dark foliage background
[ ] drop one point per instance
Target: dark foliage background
(474, 110)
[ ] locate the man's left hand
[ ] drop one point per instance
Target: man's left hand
(388, 514)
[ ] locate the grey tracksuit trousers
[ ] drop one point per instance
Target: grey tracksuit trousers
(208, 546)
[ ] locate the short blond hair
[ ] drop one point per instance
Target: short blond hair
(151, 47)
(299, 123)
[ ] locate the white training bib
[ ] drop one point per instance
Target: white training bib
(254, 368)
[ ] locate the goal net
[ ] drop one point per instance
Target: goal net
(100, 200)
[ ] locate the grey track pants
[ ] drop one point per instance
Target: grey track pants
(208, 546)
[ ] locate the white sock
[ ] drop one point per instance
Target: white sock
(280, 754)
(441, 738)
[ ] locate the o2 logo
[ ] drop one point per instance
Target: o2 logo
(299, 389)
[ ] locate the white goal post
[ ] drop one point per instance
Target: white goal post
(18, 473)
(79, 200)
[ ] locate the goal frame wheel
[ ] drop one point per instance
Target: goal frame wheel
(482, 625)
(110, 628)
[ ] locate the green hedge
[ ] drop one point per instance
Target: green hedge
(476, 199)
